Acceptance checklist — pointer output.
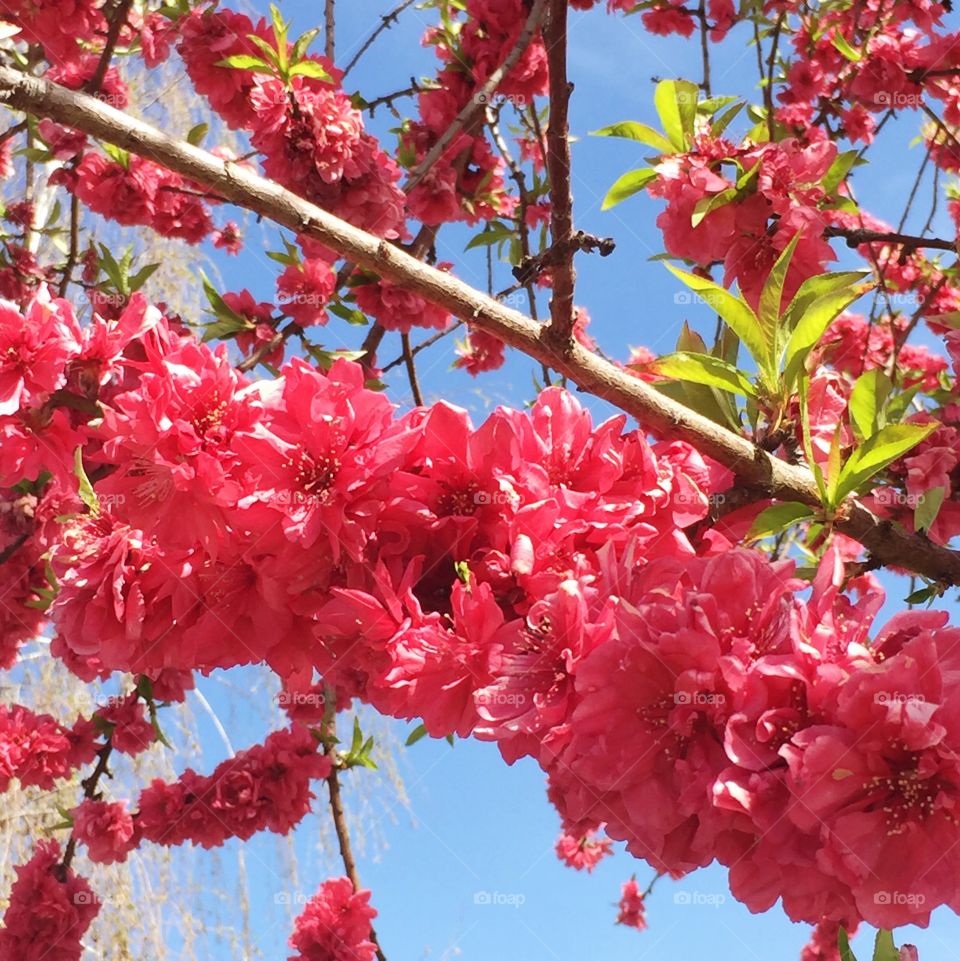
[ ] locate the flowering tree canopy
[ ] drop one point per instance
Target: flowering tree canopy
(675, 611)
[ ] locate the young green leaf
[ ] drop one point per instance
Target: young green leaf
(876, 453)
(819, 314)
(703, 369)
(840, 42)
(243, 61)
(776, 519)
(676, 103)
(843, 943)
(417, 734)
(884, 948)
(808, 442)
(813, 288)
(706, 205)
(85, 488)
(928, 507)
(196, 134)
(839, 169)
(631, 130)
(867, 402)
(733, 309)
(629, 184)
(309, 68)
(772, 293)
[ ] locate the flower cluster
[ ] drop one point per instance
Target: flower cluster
(266, 787)
(335, 925)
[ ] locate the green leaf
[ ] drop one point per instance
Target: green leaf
(867, 401)
(309, 68)
(676, 103)
(494, 233)
(777, 518)
(884, 948)
(280, 35)
(303, 44)
(706, 205)
(928, 507)
(721, 123)
(843, 943)
(840, 42)
(243, 61)
(85, 488)
(839, 170)
(117, 154)
(196, 134)
(814, 288)
(772, 293)
(922, 595)
(350, 315)
(703, 369)
(631, 130)
(834, 464)
(886, 446)
(733, 309)
(142, 276)
(417, 734)
(811, 326)
(626, 186)
(711, 105)
(808, 443)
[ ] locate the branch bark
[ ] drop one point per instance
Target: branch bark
(888, 543)
(477, 104)
(562, 275)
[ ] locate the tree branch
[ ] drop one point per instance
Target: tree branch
(478, 102)
(563, 275)
(857, 236)
(892, 545)
(336, 804)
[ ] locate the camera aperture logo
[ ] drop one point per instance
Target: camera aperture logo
(499, 899)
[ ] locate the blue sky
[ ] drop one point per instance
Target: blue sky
(474, 825)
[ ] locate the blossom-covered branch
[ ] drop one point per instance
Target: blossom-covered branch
(887, 542)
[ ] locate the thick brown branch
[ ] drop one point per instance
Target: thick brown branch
(562, 274)
(887, 542)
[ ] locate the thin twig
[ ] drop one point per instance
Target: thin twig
(857, 236)
(386, 21)
(330, 29)
(336, 804)
(411, 370)
(477, 103)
